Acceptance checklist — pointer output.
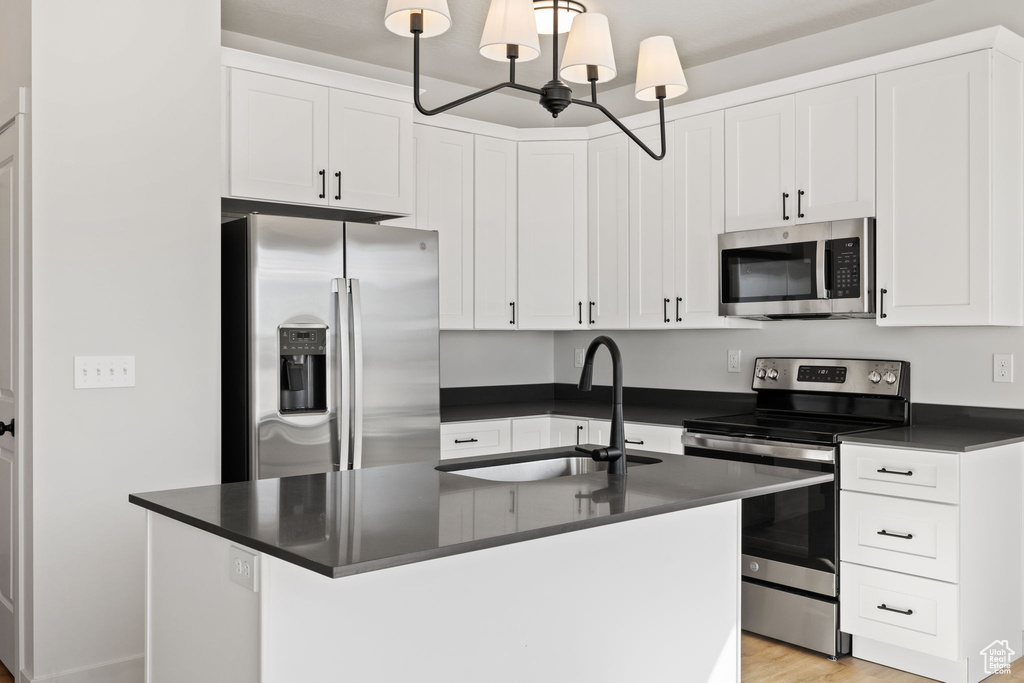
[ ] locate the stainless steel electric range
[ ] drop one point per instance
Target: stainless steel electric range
(791, 540)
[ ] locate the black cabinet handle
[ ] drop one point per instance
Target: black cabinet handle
(799, 203)
(579, 430)
(7, 428)
(581, 312)
(881, 303)
(465, 440)
(785, 196)
(338, 176)
(664, 310)
(907, 537)
(635, 443)
(679, 300)
(590, 313)
(908, 612)
(513, 305)
(323, 183)
(908, 473)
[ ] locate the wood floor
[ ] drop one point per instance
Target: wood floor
(5, 675)
(769, 661)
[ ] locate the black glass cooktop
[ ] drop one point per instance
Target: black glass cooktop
(821, 430)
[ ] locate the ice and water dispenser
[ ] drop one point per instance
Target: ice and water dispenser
(303, 369)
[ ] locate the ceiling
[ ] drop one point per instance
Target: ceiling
(704, 31)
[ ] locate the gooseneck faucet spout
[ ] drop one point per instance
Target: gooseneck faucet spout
(615, 453)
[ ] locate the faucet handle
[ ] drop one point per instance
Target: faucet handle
(607, 454)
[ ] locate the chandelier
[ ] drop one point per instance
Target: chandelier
(511, 32)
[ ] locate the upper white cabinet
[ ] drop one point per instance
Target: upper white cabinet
(949, 192)
(552, 235)
(608, 232)
(651, 225)
(297, 142)
(801, 158)
(496, 233)
(444, 202)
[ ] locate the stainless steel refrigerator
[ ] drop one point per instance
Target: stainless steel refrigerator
(329, 346)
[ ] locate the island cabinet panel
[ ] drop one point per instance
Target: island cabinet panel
(552, 235)
(949, 192)
(608, 232)
(930, 549)
(496, 233)
(444, 202)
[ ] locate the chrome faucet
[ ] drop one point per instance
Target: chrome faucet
(615, 453)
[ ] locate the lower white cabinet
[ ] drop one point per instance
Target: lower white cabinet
(529, 433)
(930, 547)
(464, 439)
(641, 437)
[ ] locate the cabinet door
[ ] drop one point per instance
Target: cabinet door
(371, 153)
(278, 138)
(698, 154)
(496, 231)
(552, 235)
(444, 202)
(651, 216)
(567, 431)
(835, 152)
(608, 233)
(759, 147)
(530, 433)
(937, 247)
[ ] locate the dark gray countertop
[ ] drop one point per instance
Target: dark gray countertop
(954, 438)
(346, 523)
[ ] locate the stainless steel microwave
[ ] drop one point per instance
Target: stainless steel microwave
(818, 270)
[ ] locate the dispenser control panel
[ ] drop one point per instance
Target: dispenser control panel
(303, 341)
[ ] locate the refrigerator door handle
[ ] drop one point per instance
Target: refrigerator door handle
(342, 388)
(357, 375)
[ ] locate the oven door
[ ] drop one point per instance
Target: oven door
(789, 538)
(774, 272)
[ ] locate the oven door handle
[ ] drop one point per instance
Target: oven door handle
(739, 444)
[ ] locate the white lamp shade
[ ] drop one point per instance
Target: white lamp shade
(436, 17)
(658, 65)
(568, 10)
(510, 22)
(589, 44)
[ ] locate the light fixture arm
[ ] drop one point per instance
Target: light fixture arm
(416, 28)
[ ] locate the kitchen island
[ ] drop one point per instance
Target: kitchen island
(406, 573)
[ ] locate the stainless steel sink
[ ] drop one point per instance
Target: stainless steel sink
(536, 468)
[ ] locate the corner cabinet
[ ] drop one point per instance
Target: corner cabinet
(552, 235)
(801, 158)
(608, 232)
(949, 193)
(444, 202)
(496, 232)
(298, 142)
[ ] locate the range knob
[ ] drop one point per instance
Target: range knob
(874, 377)
(773, 374)
(760, 374)
(890, 377)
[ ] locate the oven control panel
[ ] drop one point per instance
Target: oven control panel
(832, 375)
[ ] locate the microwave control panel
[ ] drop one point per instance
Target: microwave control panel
(845, 268)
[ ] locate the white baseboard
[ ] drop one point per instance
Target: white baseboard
(131, 670)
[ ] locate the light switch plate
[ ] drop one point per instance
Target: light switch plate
(104, 372)
(1002, 367)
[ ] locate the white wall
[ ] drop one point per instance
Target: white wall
(470, 358)
(948, 365)
(126, 204)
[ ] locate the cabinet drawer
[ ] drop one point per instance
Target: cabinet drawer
(641, 437)
(920, 537)
(924, 475)
(929, 627)
(463, 439)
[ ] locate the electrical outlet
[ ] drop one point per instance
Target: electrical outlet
(104, 372)
(243, 568)
(1002, 367)
(578, 357)
(733, 362)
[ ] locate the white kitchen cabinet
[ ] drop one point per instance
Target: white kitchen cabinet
(444, 202)
(641, 437)
(496, 234)
(608, 232)
(484, 437)
(930, 550)
(299, 142)
(530, 433)
(651, 233)
(552, 235)
(801, 158)
(949, 193)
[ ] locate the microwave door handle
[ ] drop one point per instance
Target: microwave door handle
(820, 270)
(341, 374)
